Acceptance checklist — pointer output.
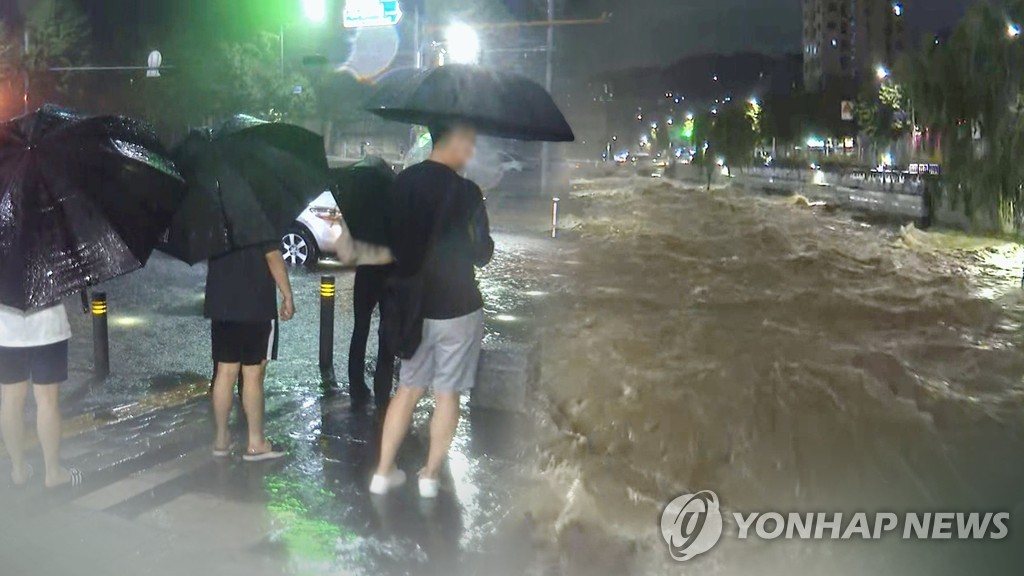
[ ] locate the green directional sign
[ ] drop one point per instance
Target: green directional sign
(371, 13)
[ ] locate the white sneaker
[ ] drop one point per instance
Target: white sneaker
(381, 485)
(429, 487)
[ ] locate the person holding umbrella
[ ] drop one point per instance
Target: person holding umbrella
(433, 308)
(247, 181)
(441, 232)
(241, 304)
(85, 200)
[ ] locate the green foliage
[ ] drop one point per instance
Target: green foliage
(59, 36)
(969, 91)
(250, 82)
(882, 113)
(10, 54)
(732, 136)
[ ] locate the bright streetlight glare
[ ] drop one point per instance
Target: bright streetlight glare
(315, 10)
(463, 44)
(1013, 30)
(882, 72)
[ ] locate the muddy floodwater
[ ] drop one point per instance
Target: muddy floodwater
(786, 356)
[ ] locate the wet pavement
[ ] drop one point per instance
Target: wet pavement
(154, 500)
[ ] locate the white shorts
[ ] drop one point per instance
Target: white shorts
(448, 355)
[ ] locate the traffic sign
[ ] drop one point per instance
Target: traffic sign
(156, 59)
(848, 110)
(371, 13)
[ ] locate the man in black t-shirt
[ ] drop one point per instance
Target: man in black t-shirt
(241, 303)
(440, 230)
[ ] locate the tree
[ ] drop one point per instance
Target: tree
(249, 81)
(10, 54)
(882, 114)
(58, 36)
(969, 91)
(732, 136)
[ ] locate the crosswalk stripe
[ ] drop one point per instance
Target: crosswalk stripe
(139, 483)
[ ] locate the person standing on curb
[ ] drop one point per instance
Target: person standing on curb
(241, 304)
(34, 352)
(440, 234)
(362, 193)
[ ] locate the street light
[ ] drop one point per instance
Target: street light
(315, 10)
(463, 44)
(882, 72)
(1013, 30)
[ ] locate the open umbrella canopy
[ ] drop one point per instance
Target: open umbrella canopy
(82, 200)
(362, 192)
(498, 104)
(247, 182)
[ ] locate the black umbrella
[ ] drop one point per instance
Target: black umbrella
(247, 182)
(82, 200)
(362, 193)
(498, 104)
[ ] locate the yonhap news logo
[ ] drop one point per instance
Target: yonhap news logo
(693, 524)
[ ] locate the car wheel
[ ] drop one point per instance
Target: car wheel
(298, 248)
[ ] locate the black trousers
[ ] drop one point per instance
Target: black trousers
(368, 294)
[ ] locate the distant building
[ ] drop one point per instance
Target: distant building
(845, 41)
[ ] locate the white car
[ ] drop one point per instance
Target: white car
(314, 233)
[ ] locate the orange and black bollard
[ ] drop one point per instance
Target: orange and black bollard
(100, 336)
(328, 288)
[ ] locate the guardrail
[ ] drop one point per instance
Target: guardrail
(869, 180)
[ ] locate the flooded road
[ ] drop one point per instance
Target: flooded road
(785, 355)
(789, 358)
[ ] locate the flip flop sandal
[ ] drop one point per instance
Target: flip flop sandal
(29, 473)
(272, 454)
(217, 453)
(76, 480)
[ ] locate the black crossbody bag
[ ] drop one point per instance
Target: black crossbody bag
(402, 312)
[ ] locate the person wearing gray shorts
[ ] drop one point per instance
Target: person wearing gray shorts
(448, 355)
(440, 231)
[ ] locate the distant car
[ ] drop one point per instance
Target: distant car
(314, 233)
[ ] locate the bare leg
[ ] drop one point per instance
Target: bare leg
(223, 401)
(252, 401)
(396, 425)
(12, 423)
(48, 429)
(442, 429)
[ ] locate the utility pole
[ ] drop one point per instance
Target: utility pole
(545, 160)
(25, 64)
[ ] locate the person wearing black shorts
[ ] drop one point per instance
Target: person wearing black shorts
(241, 303)
(34, 353)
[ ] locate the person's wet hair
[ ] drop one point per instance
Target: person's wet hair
(442, 130)
(438, 132)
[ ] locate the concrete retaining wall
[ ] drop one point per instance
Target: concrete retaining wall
(508, 371)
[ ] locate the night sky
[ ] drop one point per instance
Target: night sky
(650, 32)
(642, 32)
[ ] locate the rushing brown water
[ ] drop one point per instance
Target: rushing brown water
(786, 357)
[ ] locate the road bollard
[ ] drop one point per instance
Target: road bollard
(554, 217)
(100, 336)
(328, 287)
